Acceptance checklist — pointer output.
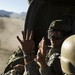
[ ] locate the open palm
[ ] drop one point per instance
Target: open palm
(27, 42)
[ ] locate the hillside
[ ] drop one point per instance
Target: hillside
(9, 29)
(4, 13)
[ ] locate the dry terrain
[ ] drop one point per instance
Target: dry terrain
(9, 29)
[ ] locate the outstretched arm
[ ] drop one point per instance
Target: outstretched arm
(31, 67)
(27, 45)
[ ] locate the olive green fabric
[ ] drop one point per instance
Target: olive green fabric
(14, 59)
(61, 25)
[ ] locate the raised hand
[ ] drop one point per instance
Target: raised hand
(41, 54)
(27, 42)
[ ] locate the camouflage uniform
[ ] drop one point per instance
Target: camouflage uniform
(52, 61)
(52, 58)
(32, 68)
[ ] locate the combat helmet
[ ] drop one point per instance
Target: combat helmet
(68, 56)
(62, 25)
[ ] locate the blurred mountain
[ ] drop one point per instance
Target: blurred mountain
(4, 13)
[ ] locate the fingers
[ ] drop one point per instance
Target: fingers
(39, 54)
(42, 42)
(29, 34)
(19, 40)
(19, 67)
(42, 46)
(23, 34)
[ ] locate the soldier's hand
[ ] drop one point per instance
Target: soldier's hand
(41, 54)
(19, 67)
(27, 42)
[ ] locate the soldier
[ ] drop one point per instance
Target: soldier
(46, 63)
(68, 56)
(58, 31)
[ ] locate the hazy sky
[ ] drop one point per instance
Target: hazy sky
(14, 5)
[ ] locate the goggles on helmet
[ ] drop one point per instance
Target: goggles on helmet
(57, 35)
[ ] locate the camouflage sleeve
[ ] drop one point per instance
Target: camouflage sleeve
(54, 64)
(31, 68)
(46, 71)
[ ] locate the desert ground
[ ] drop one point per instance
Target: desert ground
(9, 29)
